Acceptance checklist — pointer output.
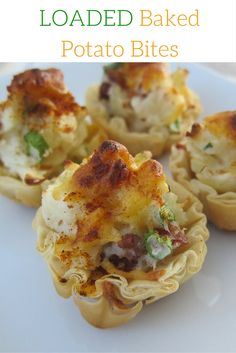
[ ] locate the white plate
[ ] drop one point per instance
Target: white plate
(199, 317)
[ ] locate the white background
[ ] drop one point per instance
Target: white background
(22, 38)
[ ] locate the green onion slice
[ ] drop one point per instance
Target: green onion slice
(35, 141)
(166, 214)
(209, 145)
(158, 247)
(175, 127)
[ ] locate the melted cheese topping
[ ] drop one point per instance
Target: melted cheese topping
(212, 151)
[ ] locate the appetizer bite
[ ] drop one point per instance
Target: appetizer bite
(41, 126)
(143, 105)
(205, 163)
(116, 235)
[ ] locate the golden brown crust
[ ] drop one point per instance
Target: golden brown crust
(51, 79)
(137, 77)
(43, 92)
(223, 123)
(219, 208)
(110, 167)
(220, 124)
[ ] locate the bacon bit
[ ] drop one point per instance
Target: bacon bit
(34, 84)
(178, 236)
(155, 275)
(67, 163)
(109, 293)
(123, 263)
(103, 91)
(134, 248)
(29, 180)
(63, 280)
(90, 207)
(67, 129)
(196, 128)
(134, 242)
(162, 231)
(92, 235)
(181, 146)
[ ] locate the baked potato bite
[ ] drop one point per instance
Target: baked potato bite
(116, 235)
(205, 163)
(41, 126)
(143, 105)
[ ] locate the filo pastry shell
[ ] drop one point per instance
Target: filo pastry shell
(115, 297)
(15, 189)
(138, 105)
(39, 109)
(210, 148)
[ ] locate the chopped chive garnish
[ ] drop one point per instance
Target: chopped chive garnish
(35, 141)
(209, 145)
(175, 127)
(166, 214)
(158, 247)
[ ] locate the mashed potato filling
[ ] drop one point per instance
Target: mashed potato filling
(40, 125)
(212, 150)
(114, 211)
(147, 95)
